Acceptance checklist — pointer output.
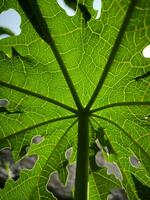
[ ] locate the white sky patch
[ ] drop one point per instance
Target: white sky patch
(146, 52)
(63, 5)
(97, 5)
(4, 36)
(10, 19)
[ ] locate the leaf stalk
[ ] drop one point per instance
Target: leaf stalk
(81, 183)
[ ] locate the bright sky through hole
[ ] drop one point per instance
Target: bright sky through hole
(97, 5)
(69, 11)
(10, 19)
(146, 52)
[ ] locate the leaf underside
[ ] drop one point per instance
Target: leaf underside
(60, 67)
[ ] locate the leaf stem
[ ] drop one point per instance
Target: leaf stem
(141, 153)
(33, 12)
(118, 104)
(81, 182)
(113, 53)
(40, 96)
(36, 126)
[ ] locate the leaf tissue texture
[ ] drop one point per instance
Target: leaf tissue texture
(80, 83)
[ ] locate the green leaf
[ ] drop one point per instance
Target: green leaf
(6, 31)
(82, 83)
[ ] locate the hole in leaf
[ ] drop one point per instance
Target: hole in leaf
(99, 159)
(9, 169)
(72, 4)
(3, 105)
(112, 167)
(58, 189)
(63, 191)
(117, 194)
(99, 144)
(97, 5)
(69, 6)
(94, 149)
(28, 162)
(102, 143)
(10, 21)
(146, 117)
(4, 102)
(37, 139)
(146, 51)
(5, 161)
(135, 161)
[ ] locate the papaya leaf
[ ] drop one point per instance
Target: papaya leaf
(81, 83)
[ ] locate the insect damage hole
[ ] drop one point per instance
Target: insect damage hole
(134, 161)
(146, 51)
(97, 5)
(147, 117)
(117, 194)
(9, 169)
(68, 6)
(112, 167)
(56, 186)
(4, 102)
(37, 139)
(10, 21)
